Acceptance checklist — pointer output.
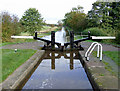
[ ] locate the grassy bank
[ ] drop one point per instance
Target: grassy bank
(11, 60)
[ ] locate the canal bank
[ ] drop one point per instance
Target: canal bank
(62, 71)
(100, 78)
(20, 74)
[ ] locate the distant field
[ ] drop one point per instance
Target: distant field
(46, 27)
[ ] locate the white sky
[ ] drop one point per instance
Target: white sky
(51, 10)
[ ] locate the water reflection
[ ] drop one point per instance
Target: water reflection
(71, 60)
(53, 60)
(58, 55)
(59, 70)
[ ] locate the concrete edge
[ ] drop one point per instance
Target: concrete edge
(93, 76)
(28, 67)
(95, 86)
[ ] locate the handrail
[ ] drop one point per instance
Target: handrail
(93, 45)
(90, 48)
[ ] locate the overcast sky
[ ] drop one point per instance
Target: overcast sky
(51, 10)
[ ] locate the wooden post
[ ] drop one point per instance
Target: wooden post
(53, 39)
(71, 39)
(35, 35)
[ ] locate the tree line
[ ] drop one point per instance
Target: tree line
(30, 22)
(102, 19)
(104, 15)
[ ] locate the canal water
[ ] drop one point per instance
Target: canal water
(59, 70)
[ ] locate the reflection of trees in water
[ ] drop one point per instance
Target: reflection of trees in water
(56, 55)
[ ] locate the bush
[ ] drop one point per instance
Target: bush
(10, 26)
(117, 35)
(95, 32)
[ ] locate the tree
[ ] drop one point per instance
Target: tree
(10, 26)
(104, 15)
(60, 23)
(31, 20)
(115, 14)
(75, 19)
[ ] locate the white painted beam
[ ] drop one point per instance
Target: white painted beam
(24, 37)
(103, 37)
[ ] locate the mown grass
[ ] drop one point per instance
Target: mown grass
(46, 27)
(114, 55)
(12, 60)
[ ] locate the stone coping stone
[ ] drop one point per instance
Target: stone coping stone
(19, 75)
(100, 78)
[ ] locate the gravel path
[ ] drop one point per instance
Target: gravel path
(36, 45)
(106, 47)
(27, 45)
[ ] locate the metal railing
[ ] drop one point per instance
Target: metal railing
(91, 48)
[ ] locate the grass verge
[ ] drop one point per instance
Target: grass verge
(114, 55)
(12, 60)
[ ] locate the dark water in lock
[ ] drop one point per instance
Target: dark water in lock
(59, 70)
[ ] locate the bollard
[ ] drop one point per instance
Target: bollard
(53, 39)
(71, 39)
(89, 34)
(15, 50)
